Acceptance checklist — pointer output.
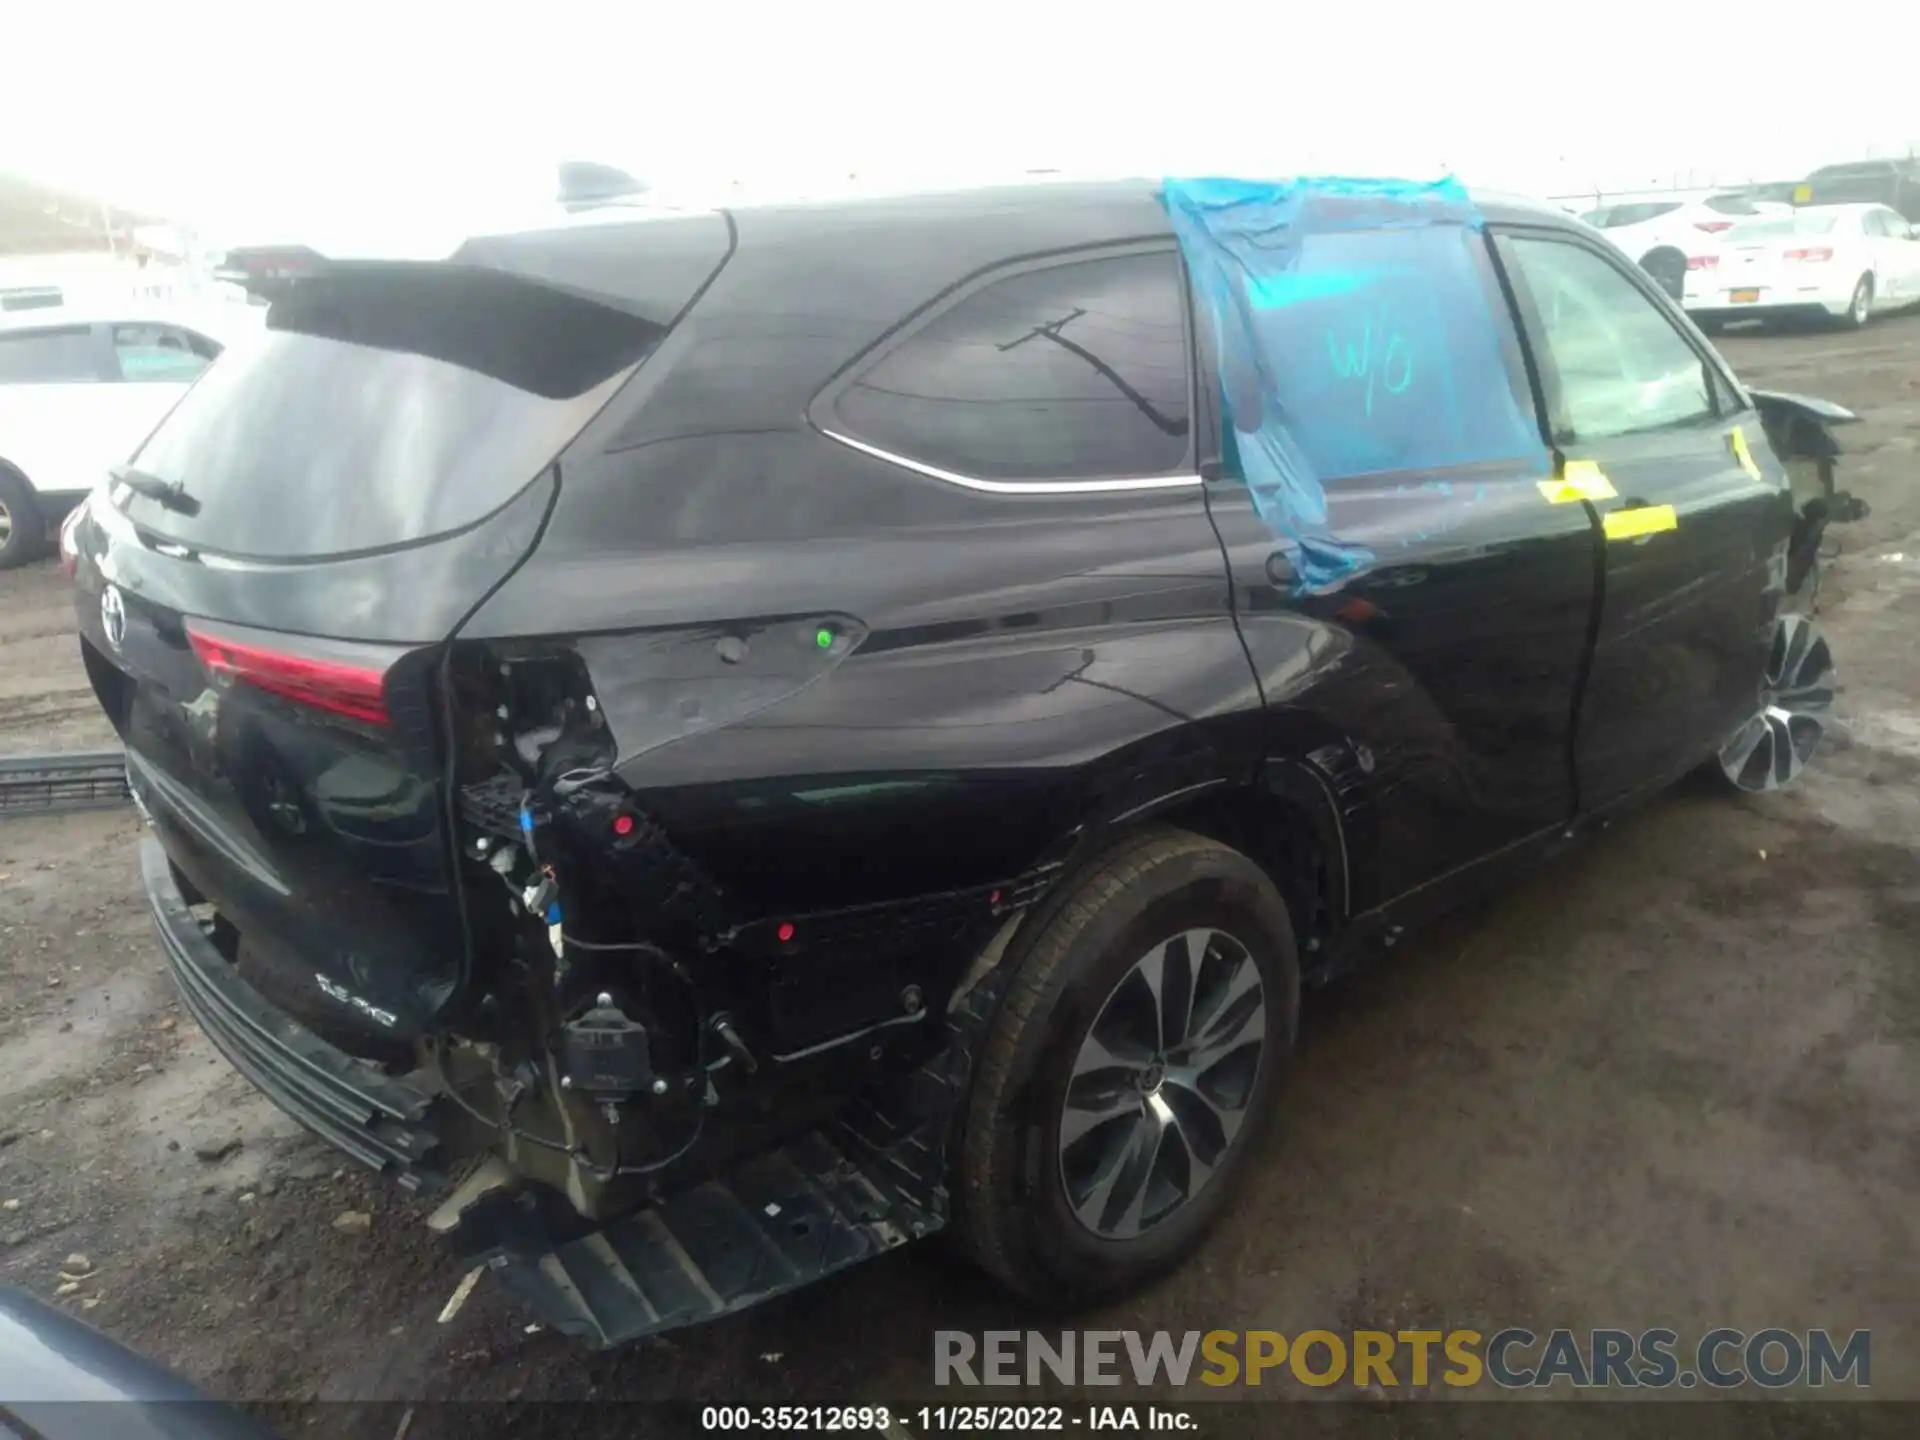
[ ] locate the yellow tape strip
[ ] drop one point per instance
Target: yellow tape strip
(1642, 520)
(1578, 480)
(1738, 440)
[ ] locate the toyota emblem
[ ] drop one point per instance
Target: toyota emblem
(113, 616)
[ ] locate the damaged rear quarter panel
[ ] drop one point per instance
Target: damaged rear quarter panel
(1006, 672)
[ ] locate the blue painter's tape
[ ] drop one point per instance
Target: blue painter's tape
(1354, 333)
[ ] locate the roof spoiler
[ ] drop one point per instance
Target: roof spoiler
(537, 337)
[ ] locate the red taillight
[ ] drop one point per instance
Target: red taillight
(1714, 227)
(1702, 262)
(1814, 252)
(350, 690)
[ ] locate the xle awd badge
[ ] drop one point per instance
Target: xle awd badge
(113, 616)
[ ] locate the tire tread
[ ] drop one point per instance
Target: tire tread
(987, 1232)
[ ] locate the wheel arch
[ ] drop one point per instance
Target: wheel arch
(1282, 814)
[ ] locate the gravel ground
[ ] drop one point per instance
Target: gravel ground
(1674, 1081)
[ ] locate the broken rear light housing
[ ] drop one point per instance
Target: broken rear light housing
(354, 691)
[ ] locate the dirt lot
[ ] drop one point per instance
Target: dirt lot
(1674, 1082)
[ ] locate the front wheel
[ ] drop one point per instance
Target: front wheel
(1794, 707)
(1129, 1069)
(23, 531)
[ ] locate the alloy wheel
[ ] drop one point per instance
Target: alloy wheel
(6, 524)
(1796, 704)
(1862, 306)
(1160, 1086)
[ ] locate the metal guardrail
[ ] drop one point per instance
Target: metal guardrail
(71, 780)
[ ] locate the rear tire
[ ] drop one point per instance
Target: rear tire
(1669, 271)
(1860, 307)
(1064, 1208)
(23, 530)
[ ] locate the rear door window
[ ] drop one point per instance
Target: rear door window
(49, 357)
(1074, 371)
(160, 352)
(1619, 366)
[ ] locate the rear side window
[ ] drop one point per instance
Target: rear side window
(48, 357)
(1618, 364)
(32, 297)
(381, 408)
(160, 352)
(1076, 371)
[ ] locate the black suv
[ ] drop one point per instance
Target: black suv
(726, 742)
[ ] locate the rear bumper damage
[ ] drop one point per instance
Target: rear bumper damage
(382, 1122)
(872, 1178)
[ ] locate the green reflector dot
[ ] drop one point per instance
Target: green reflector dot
(823, 637)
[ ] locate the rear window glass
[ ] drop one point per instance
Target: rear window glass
(48, 357)
(1782, 227)
(1076, 371)
(1615, 216)
(383, 409)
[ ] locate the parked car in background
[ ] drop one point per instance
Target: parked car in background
(1892, 183)
(1841, 262)
(1659, 235)
(750, 756)
(80, 388)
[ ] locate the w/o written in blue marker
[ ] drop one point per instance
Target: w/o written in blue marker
(1381, 360)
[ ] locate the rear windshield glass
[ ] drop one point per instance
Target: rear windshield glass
(1783, 227)
(1615, 216)
(382, 408)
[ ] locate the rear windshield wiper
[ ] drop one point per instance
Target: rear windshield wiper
(170, 493)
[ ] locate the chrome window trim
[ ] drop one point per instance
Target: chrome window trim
(1016, 487)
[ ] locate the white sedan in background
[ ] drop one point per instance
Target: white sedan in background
(1659, 235)
(1841, 262)
(80, 389)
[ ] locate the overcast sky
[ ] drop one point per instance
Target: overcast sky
(300, 116)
